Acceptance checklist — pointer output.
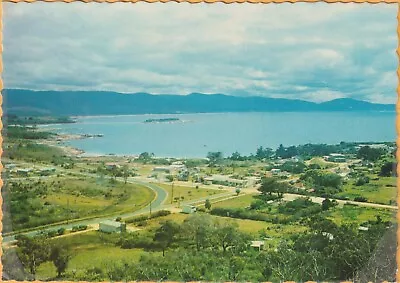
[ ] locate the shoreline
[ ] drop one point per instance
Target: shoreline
(227, 112)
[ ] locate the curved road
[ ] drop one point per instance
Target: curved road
(156, 204)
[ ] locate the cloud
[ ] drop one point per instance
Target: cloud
(314, 52)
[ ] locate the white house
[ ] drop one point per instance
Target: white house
(259, 245)
(188, 209)
(111, 166)
(109, 226)
(275, 171)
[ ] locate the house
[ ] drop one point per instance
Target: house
(177, 167)
(259, 245)
(47, 171)
(188, 209)
(275, 171)
(24, 172)
(109, 226)
(161, 169)
(225, 181)
(112, 166)
(10, 166)
(328, 235)
(336, 157)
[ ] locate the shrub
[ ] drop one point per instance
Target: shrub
(61, 231)
(360, 199)
(79, 228)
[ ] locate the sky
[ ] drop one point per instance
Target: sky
(315, 52)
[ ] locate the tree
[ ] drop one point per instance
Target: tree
(33, 251)
(227, 235)
(114, 173)
(207, 204)
(125, 173)
(293, 167)
(214, 158)
(236, 156)
(270, 185)
(370, 154)
(327, 203)
(166, 234)
(60, 256)
(262, 153)
(146, 157)
(388, 169)
(198, 230)
(238, 190)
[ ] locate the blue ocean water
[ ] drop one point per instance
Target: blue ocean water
(197, 134)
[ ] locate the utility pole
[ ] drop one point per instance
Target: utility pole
(150, 208)
(172, 193)
(67, 210)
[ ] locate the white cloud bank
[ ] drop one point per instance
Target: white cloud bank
(314, 52)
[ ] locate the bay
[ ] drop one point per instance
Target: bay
(194, 135)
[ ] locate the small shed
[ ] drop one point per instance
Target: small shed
(109, 226)
(24, 172)
(275, 171)
(47, 171)
(259, 245)
(112, 166)
(188, 209)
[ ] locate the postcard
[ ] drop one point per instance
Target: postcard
(199, 142)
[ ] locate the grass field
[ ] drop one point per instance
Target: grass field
(238, 202)
(356, 214)
(377, 191)
(88, 194)
(188, 193)
(90, 250)
(56, 199)
(321, 162)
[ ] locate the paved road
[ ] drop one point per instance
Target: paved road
(290, 197)
(156, 204)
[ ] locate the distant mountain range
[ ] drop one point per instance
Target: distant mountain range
(80, 103)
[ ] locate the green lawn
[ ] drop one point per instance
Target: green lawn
(321, 162)
(357, 214)
(380, 191)
(89, 250)
(241, 201)
(62, 198)
(188, 193)
(87, 194)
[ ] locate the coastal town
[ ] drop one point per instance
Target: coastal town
(143, 208)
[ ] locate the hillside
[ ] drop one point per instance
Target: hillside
(69, 103)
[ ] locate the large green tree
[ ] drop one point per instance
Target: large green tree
(214, 158)
(270, 185)
(166, 234)
(60, 256)
(33, 251)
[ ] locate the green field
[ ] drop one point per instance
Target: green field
(241, 201)
(90, 250)
(188, 193)
(56, 199)
(381, 191)
(357, 214)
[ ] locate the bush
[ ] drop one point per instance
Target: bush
(360, 199)
(61, 231)
(142, 218)
(362, 181)
(79, 228)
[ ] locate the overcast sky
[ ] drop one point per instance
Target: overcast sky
(314, 52)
